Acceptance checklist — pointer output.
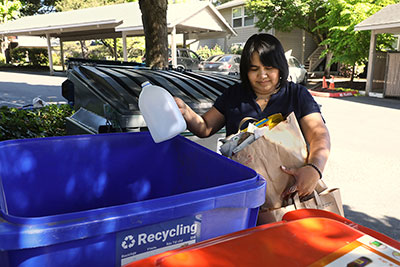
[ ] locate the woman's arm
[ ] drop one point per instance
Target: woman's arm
(202, 126)
(317, 136)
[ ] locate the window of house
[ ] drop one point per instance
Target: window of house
(241, 16)
(237, 17)
(248, 20)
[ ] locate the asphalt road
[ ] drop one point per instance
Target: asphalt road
(364, 161)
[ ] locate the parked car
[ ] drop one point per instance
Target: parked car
(228, 63)
(210, 59)
(297, 72)
(186, 59)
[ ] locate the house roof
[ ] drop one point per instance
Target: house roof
(110, 21)
(386, 20)
(231, 4)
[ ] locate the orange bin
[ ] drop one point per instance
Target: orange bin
(303, 238)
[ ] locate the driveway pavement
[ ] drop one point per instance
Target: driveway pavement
(364, 161)
(18, 89)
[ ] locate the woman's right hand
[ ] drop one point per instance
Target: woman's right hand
(202, 126)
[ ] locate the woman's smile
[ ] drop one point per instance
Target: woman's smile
(264, 82)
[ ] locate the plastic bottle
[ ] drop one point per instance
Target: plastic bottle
(160, 112)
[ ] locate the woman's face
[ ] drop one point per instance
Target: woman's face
(263, 79)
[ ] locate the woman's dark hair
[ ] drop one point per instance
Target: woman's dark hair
(271, 54)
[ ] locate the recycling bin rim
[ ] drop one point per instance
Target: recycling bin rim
(129, 208)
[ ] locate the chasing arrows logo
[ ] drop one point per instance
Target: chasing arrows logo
(128, 242)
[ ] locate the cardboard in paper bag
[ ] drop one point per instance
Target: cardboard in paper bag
(282, 145)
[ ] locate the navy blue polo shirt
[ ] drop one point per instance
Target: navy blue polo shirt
(238, 102)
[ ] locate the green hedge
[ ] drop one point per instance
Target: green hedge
(33, 123)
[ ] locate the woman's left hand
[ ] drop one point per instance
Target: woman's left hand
(306, 180)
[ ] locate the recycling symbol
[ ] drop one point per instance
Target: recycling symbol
(128, 242)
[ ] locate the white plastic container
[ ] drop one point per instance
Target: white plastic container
(160, 112)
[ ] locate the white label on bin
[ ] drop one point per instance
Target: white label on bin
(366, 250)
(140, 243)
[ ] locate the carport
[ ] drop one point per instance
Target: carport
(387, 20)
(198, 20)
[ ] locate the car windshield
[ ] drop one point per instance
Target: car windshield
(225, 59)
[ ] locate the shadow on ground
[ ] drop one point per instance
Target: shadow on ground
(19, 94)
(387, 225)
(32, 70)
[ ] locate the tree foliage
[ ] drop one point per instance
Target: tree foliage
(65, 5)
(9, 10)
(32, 7)
(330, 22)
(286, 15)
(348, 46)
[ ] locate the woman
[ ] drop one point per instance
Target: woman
(265, 91)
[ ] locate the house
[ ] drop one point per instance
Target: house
(300, 42)
(386, 20)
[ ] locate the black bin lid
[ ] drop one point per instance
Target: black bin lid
(119, 84)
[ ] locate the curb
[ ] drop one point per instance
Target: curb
(338, 94)
(327, 94)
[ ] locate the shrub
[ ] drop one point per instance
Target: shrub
(31, 56)
(2, 59)
(38, 56)
(236, 49)
(205, 52)
(19, 56)
(33, 123)
(56, 58)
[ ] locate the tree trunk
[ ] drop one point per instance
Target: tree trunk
(327, 70)
(352, 73)
(85, 49)
(110, 48)
(154, 18)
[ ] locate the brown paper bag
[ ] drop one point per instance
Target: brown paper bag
(282, 145)
(329, 200)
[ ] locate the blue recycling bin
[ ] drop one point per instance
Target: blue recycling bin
(111, 199)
